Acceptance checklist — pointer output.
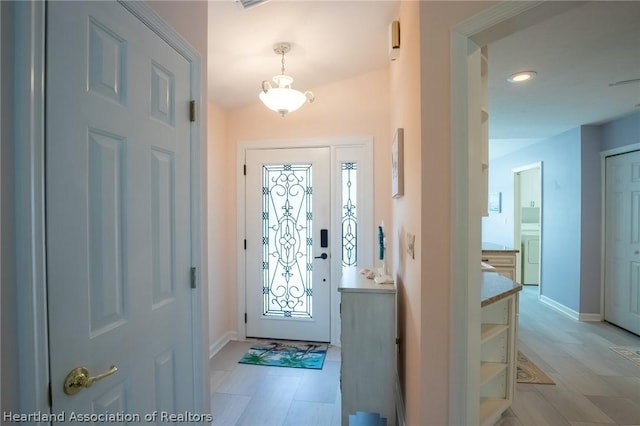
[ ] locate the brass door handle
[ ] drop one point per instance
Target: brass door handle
(79, 378)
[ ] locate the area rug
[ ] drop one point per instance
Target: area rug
(528, 372)
(289, 354)
(630, 353)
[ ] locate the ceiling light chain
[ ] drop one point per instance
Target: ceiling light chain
(282, 98)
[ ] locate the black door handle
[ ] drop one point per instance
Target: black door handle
(322, 256)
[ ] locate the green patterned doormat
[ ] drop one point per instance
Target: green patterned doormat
(289, 354)
(630, 353)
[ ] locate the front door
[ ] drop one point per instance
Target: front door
(118, 217)
(622, 245)
(287, 249)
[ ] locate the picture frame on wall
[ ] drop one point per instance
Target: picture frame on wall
(397, 164)
(495, 202)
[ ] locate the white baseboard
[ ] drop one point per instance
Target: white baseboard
(570, 312)
(560, 308)
(399, 403)
(591, 317)
(215, 347)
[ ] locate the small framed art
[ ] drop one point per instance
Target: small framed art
(495, 202)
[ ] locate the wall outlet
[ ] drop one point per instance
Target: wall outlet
(411, 239)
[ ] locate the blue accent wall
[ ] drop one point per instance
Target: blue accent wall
(560, 227)
(590, 219)
(622, 132)
(571, 207)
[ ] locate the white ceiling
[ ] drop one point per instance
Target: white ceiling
(576, 54)
(331, 41)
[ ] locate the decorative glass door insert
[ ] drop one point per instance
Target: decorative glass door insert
(288, 273)
(287, 240)
(349, 214)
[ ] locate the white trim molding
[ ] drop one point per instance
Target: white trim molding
(33, 374)
(517, 217)
(560, 308)
(590, 317)
(216, 346)
(578, 316)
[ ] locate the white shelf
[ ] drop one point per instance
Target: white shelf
(491, 409)
(489, 370)
(489, 331)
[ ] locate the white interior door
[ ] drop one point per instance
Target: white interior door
(118, 213)
(288, 282)
(622, 245)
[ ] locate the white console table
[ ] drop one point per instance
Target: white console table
(368, 371)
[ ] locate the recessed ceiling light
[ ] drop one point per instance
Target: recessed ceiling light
(522, 76)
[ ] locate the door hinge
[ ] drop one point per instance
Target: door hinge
(192, 111)
(50, 396)
(193, 277)
(244, 169)
(245, 244)
(245, 317)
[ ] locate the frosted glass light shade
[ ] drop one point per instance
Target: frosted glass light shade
(283, 99)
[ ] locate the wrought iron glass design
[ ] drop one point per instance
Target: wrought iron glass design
(287, 244)
(349, 215)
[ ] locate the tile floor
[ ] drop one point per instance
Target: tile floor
(252, 395)
(594, 385)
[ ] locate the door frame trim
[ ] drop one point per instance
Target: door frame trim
(29, 191)
(366, 143)
(466, 227)
(603, 208)
(30, 128)
(517, 235)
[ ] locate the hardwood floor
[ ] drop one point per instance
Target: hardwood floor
(594, 385)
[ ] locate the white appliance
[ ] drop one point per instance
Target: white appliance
(530, 250)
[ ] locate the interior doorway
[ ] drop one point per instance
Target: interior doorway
(528, 202)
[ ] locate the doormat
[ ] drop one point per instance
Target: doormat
(528, 372)
(289, 354)
(630, 353)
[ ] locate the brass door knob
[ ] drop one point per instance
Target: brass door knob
(79, 378)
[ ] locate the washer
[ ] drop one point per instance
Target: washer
(530, 249)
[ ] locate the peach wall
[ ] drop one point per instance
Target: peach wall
(344, 108)
(420, 103)
(436, 21)
(405, 113)
(189, 18)
(355, 107)
(220, 234)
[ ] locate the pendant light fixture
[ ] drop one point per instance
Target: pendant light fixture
(282, 98)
